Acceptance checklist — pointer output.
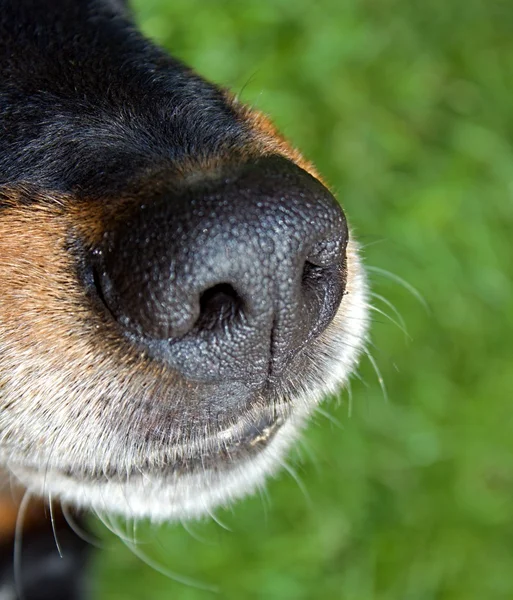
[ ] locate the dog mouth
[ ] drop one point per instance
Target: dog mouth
(242, 440)
(251, 438)
(225, 449)
(228, 465)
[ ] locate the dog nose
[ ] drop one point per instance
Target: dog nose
(231, 276)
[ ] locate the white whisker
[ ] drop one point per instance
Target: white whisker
(158, 568)
(18, 544)
(378, 374)
(349, 389)
(300, 483)
(195, 536)
(52, 521)
(392, 308)
(217, 520)
(330, 417)
(407, 286)
(77, 530)
(391, 319)
(307, 449)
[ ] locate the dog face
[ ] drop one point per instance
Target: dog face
(178, 289)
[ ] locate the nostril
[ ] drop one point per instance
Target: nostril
(322, 288)
(219, 305)
(320, 277)
(97, 286)
(105, 298)
(312, 274)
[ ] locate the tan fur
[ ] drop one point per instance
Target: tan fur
(268, 140)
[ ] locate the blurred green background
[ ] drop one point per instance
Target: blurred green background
(406, 107)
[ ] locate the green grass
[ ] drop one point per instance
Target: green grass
(406, 107)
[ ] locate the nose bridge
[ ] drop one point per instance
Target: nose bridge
(225, 277)
(246, 246)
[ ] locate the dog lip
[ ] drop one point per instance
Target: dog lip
(219, 452)
(252, 434)
(228, 447)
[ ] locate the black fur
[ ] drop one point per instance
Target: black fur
(87, 103)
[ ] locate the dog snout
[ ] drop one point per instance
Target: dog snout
(228, 277)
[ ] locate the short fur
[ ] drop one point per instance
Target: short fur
(94, 119)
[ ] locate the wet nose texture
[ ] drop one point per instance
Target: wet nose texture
(228, 278)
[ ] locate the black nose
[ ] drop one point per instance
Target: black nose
(229, 278)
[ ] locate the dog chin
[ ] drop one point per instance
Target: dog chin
(168, 494)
